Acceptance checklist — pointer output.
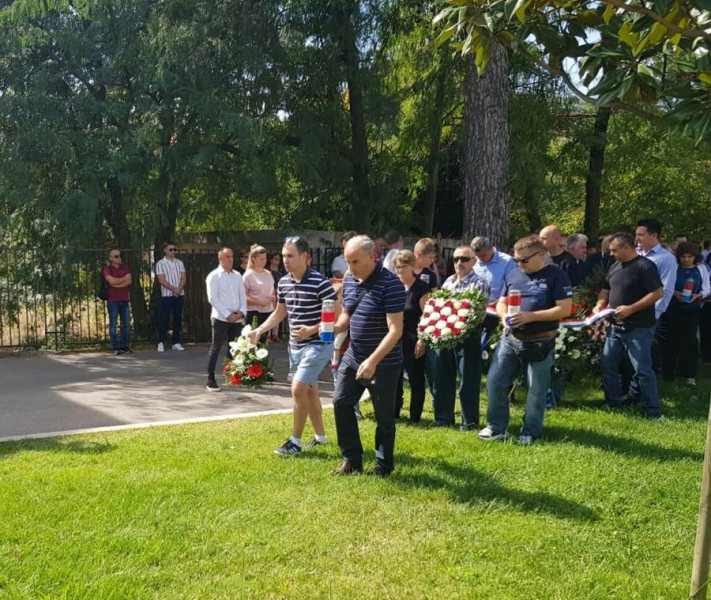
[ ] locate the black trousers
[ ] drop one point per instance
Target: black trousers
(680, 351)
(382, 388)
(170, 305)
(705, 330)
(221, 331)
(415, 369)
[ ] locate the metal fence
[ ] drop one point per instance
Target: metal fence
(48, 297)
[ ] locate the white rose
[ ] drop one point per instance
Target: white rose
(246, 330)
(462, 312)
(429, 329)
(452, 319)
(428, 309)
(439, 303)
(435, 316)
(446, 311)
(459, 325)
(424, 321)
(440, 325)
(262, 353)
(446, 331)
(457, 305)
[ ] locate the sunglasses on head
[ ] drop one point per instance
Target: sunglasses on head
(524, 261)
(292, 240)
(464, 259)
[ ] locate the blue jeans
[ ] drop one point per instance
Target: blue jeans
(637, 345)
(170, 305)
(118, 308)
(502, 374)
(466, 360)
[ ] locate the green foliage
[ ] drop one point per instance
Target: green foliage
(633, 55)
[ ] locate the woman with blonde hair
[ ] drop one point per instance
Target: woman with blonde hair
(259, 286)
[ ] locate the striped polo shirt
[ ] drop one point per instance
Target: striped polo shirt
(303, 301)
(172, 269)
(382, 294)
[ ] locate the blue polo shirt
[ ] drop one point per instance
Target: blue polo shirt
(494, 272)
(303, 301)
(539, 290)
(382, 294)
(666, 265)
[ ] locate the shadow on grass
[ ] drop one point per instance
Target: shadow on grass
(54, 445)
(620, 445)
(469, 486)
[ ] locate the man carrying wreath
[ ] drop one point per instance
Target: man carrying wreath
(465, 357)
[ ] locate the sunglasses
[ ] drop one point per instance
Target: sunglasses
(170, 249)
(524, 261)
(115, 256)
(464, 259)
(293, 239)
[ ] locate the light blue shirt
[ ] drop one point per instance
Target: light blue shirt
(666, 265)
(494, 272)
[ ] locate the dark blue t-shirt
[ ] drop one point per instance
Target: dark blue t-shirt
(383, 294)
(539, 291)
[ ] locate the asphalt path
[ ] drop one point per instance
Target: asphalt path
(47, 394)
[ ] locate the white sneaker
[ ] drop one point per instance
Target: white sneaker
(178, 347)
(161, 347)
(691, 381)
(489, 435)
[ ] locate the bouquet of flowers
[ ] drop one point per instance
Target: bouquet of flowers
(450, 317)
(250, 365)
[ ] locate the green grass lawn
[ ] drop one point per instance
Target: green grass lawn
(605, 506)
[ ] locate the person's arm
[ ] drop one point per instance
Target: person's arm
(366, 370)
(242, 297)
(667, 273)
(561, 310)
(272, 321)
(603, 299)
(118, 282)
(705, 283)
(183, 282)
(502, 308)
(625, 311)
(164, 282)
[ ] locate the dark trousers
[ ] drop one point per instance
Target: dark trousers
(705, 330)
(221, 331)
(465, 359)
(415, 369)
(681, 351)
(170, 306)
(119, 308)
(382, 390)
(261, 318)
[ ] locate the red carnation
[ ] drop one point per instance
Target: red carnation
(236, 379)
(465, 304)
(449, 303)
(255, 371)
(437, 332)
(456, 331)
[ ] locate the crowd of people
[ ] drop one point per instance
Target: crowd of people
(380, 286)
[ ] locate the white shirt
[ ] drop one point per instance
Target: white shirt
(225, 292)
(705, 281)
(666, 265)
(173, 270)
(339, 264)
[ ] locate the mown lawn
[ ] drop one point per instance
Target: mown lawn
(604, 507)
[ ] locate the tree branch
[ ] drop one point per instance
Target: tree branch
(672, 27)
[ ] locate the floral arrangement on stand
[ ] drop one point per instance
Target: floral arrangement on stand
(250, 365)
(578, 350)
(449, 318)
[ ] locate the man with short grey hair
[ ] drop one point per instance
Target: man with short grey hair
(578, 246)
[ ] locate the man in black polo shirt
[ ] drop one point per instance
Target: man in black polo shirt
(300, 295)
(633, 286)
(528, 340)
(552, 239)
(373, 305)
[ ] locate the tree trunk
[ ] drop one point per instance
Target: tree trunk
(344, 11)
(435, 134)
(535, 224)
(593, 183)
(486, 152)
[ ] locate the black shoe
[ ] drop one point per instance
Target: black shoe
(212, 386)
(348, 467)
(379, 471)
(469, 427)
(440, 424)
(126, 351)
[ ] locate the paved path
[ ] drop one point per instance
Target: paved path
(51, 393)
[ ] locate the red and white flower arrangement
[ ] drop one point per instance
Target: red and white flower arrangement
(449, 318)
(250, 365)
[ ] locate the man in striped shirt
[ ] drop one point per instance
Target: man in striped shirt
(373, 305)
(300, 295)
(170, 273)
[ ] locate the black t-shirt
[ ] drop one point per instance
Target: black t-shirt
(568, 263)
(429, 277)
(629, 282)
(539, 290)
(413, 312)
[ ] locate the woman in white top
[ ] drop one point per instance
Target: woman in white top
(259, 286)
